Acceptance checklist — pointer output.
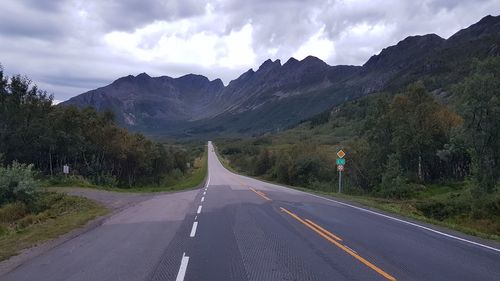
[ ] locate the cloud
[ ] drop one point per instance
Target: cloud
(131, 14)
(70, 46)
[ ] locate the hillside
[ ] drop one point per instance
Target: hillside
(410, 152)
(277, 96)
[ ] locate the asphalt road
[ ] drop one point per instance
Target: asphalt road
(238, 228)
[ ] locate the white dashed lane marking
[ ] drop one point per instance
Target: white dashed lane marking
(182, 268)
(193, 229)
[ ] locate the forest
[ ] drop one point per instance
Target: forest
(436, 151)
(34, 131)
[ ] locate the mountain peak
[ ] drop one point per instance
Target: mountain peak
(489, 19)
(312, 60)
(405, 50)
(269, 64)
(291, 61)
(143, 75)
(193, 77)
(487, 26)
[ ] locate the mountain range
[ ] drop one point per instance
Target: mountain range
(278, 95)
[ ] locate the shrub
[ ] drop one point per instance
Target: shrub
(231, 150)
(71, 180)
(105, 179)
(17, 183)
(45, 201)
(393, 184)
(12, 211)
(442, 210)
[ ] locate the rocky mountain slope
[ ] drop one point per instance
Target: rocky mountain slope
(278, 95)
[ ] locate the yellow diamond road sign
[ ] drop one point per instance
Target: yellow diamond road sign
(341, 153)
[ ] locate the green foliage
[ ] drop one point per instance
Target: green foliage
(480, 106)
(263, 162)
(282, 169)
(51, 215)
(441, 210)
(71, 180)
(394, 184)
(404, 149)
(301, 165)
(32, 130)
(17, 183)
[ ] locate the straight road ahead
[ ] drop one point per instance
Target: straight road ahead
(238, 228)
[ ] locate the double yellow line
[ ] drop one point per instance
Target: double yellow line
(261, 194)
(334, 240)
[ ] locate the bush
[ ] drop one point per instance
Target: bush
(12, 211)
(71, 180)
(393, 184)
(45, 201)
(231, 150)
(442, 210)
(17, 183)
(281, 170)
(105, 179)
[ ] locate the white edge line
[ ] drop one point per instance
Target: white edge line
(204, 192)
(376, 213)
(182, 268)
(388, 217)
(411, 223)
(199, 209)
(196, 217)
(193, 229)
(202, 198)
(208, 182)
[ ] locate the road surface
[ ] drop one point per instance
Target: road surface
(238, 228)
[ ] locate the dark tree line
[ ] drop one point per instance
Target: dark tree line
(34, 131)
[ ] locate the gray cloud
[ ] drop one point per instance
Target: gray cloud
(22, 19)
(62, 45)
(131, 14)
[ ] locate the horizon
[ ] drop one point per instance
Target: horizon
(94, 46)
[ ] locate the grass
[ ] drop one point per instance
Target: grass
(63, 214)
(484, 228)
(193, 179)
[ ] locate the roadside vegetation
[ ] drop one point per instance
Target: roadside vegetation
(29, 216)
(38, 138)
(432, 156)
(97, 151)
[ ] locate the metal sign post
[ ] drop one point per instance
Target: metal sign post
(340, 181)
(340, 167)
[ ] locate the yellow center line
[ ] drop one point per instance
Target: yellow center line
(260, 194)
(324, 230)
(349, 251)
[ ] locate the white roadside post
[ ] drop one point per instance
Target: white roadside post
(340, 167)
(66, 170)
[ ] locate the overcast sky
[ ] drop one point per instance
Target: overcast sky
(68, 47)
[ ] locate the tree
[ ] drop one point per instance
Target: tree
(421, 127)
(263, 163)
(480, 107)
(34, 131)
